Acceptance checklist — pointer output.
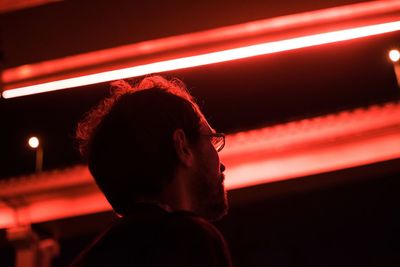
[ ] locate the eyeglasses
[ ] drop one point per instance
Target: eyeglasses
(217, 140)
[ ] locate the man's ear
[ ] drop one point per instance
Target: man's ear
(183, 148)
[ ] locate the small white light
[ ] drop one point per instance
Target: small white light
(394, 55)
(33, 142)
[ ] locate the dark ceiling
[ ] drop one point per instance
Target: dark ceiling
(236, 95)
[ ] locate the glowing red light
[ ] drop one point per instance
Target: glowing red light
(208, 58)
(233, 42)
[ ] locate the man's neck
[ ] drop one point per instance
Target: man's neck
(155, 203)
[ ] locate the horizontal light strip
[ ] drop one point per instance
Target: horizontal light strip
(213, 40)
(315, 160)
(54, 208)
(208, 58)
(286, 151)
(265, 170)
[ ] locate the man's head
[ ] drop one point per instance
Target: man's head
(145, 135)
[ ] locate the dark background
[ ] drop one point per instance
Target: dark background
(236, 95)
(351, 221)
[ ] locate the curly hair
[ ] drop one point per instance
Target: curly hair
(127, 138)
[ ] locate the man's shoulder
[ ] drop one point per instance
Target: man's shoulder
(163, 239)
(192, 241)
(171, 227)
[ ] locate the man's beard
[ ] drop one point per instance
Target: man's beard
(209, 194)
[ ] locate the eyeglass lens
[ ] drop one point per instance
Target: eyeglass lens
(218, 142)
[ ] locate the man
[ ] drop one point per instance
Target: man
(155, 158)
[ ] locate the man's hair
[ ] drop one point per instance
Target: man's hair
(128, 138)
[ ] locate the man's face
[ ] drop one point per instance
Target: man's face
(208, 190)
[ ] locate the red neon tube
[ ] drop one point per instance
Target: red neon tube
(222, 44)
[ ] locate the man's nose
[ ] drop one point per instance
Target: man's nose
(222, 167)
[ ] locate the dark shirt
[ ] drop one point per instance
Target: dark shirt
(150, 236)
